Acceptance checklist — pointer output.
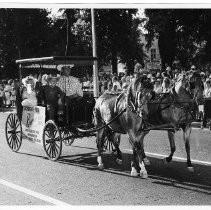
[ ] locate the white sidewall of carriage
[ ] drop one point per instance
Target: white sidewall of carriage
(33, 122)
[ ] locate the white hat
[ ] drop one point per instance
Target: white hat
(27, 79)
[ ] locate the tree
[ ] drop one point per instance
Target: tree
(181, 33)
(161, 24)
(25, 34)
(117, 36)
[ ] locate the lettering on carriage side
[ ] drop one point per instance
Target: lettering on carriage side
(30, 130)
(28, 120)
(27, 108)
(33, 123)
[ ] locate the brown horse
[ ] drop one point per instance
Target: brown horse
(140, 114)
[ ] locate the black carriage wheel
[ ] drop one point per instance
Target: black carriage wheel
(52, 141)
(65, 134)
(13, 132)
(109, 145)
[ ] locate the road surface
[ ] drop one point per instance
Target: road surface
(29, 178)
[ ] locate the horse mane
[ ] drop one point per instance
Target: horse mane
(136, 86)
(179, 86)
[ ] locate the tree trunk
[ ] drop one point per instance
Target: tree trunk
(167, 47)
(70, 42)
(114, 61)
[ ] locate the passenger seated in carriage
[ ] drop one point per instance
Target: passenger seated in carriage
(52, 97)
(29, 97)
(72, 89)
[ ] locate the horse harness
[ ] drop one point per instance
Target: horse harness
(136, 106)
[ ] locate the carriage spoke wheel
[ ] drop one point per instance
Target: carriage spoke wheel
(13, 132)
(52, 141)
(65, 134)
(109, 145)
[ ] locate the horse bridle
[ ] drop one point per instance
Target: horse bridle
(187, 109)
(137, 105)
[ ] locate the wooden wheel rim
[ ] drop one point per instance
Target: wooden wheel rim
(52, 140)
(13, 132)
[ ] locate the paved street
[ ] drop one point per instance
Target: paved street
(29, 178)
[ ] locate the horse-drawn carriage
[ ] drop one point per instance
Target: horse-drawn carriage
(134, 113)
(32, 123)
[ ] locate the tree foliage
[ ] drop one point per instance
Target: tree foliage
(181, 33)
(117, 36)
(29, 33)
(25, 34)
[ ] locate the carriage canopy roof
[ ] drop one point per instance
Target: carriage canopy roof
(56, 61)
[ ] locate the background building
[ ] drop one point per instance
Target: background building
(152, 61)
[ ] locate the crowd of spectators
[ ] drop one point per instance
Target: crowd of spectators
(8, 93)
(199, 83)
(200, 80)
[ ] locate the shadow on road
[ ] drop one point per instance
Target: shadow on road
(174, 174)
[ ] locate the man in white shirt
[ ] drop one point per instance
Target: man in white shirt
(73, 90)
(70, 85)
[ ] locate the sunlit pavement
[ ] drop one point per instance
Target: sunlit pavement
(75, 179)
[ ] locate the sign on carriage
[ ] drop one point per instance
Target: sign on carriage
(33, 122)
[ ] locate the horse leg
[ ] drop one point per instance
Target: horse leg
(116, 142)
(138, 151)
(100, 142)
(171, 137)
(145, 159)
(134, 164)
(186, 138)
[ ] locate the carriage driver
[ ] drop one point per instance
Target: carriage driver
(73, 90)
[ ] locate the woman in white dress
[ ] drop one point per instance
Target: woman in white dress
(29, 94)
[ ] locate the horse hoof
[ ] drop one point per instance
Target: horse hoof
(133, 172)
(191, 169)
(119, 161)
(100, 166)
(146, 161)
(143, 174)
